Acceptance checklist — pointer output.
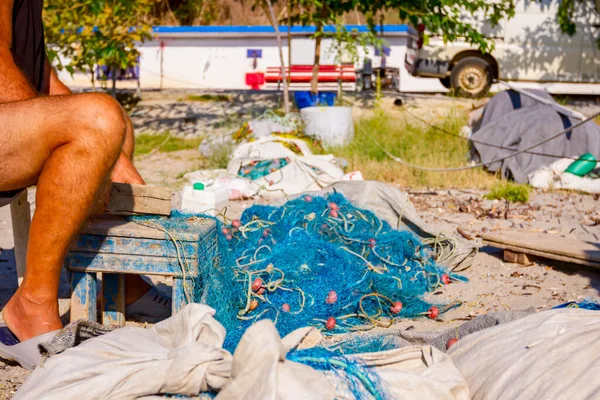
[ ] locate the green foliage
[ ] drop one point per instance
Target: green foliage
(164, 143)
(416, 143)
(203, 98)
(509, 191)
(567, 9)
(192, 12)
(86, 33)
(443, 17)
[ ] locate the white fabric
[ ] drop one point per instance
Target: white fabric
(182, 355)
(297, 176)
(261, 371)
(553, 354)
(304, 172)
(555, 177)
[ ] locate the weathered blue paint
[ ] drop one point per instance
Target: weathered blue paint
(83, 296)
(114, 255)
(145, 247)
(179, 299)
(113, 299)
(130, 264)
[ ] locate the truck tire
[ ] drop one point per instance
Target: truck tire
(446, 82)
(471, 76)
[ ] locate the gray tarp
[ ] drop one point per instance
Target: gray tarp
(515, 121)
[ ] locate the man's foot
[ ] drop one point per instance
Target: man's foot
(125, 172)
(145, 300)
(152, 304)
(27, 319)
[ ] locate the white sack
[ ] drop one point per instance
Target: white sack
(553, 354)
(182, 354)
(555, 177)
(260, 371)
(304, 172)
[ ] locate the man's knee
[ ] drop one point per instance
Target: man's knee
(102, 122)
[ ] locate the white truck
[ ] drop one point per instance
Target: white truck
(530, 47)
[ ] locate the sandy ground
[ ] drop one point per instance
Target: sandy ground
(493, 285)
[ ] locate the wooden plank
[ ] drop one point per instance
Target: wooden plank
(20, 214)
(544, 243)
(178, 297)
(113, 299)
(119, 227)
(115, 263)
(83, 296)
(139, 199)
(552, 248)
(134, 246)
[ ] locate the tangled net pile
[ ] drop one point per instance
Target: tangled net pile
(316, 261)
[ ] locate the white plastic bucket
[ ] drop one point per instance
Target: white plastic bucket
(333, 125)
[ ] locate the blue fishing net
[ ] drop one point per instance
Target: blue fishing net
(257, 169)
(588, 304)
(316, 261)
(349, 375)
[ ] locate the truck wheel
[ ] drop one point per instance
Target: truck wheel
(471, 76)
(446, 82)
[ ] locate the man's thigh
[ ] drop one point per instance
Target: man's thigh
(31, 130)
(28, 135)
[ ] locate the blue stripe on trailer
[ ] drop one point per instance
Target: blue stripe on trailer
(269, 29)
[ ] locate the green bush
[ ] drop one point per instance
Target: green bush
(509, 191)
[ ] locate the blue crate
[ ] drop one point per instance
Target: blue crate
(307, 99)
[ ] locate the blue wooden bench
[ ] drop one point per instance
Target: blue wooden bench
(110, 247)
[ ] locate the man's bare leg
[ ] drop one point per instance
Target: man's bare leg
(68, 145)
(124, 170)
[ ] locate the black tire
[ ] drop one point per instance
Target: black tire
(446, 82)
(471, 77)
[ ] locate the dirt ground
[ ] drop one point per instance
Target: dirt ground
(493, 284)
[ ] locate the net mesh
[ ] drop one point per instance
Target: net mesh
(316, 261)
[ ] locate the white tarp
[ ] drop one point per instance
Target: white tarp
(553, 354)
(183, 355)
(555, 177)
(260, 371)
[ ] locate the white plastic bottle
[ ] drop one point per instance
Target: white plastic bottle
(204, 199)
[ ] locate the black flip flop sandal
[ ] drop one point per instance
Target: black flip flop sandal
(27, 352)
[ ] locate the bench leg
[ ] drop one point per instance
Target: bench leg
(20, 213)
(83, 296)
(113, 299)
(517, 258)
(179, 299)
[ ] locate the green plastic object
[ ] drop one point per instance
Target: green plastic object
(198, 186)
(583, 165)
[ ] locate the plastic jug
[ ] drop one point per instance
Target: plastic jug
(583, 165)
(201, 198)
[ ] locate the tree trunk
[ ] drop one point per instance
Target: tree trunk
(289, 39)
(93, 78)
(286, 94)
(114, 82)
(314, 82)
